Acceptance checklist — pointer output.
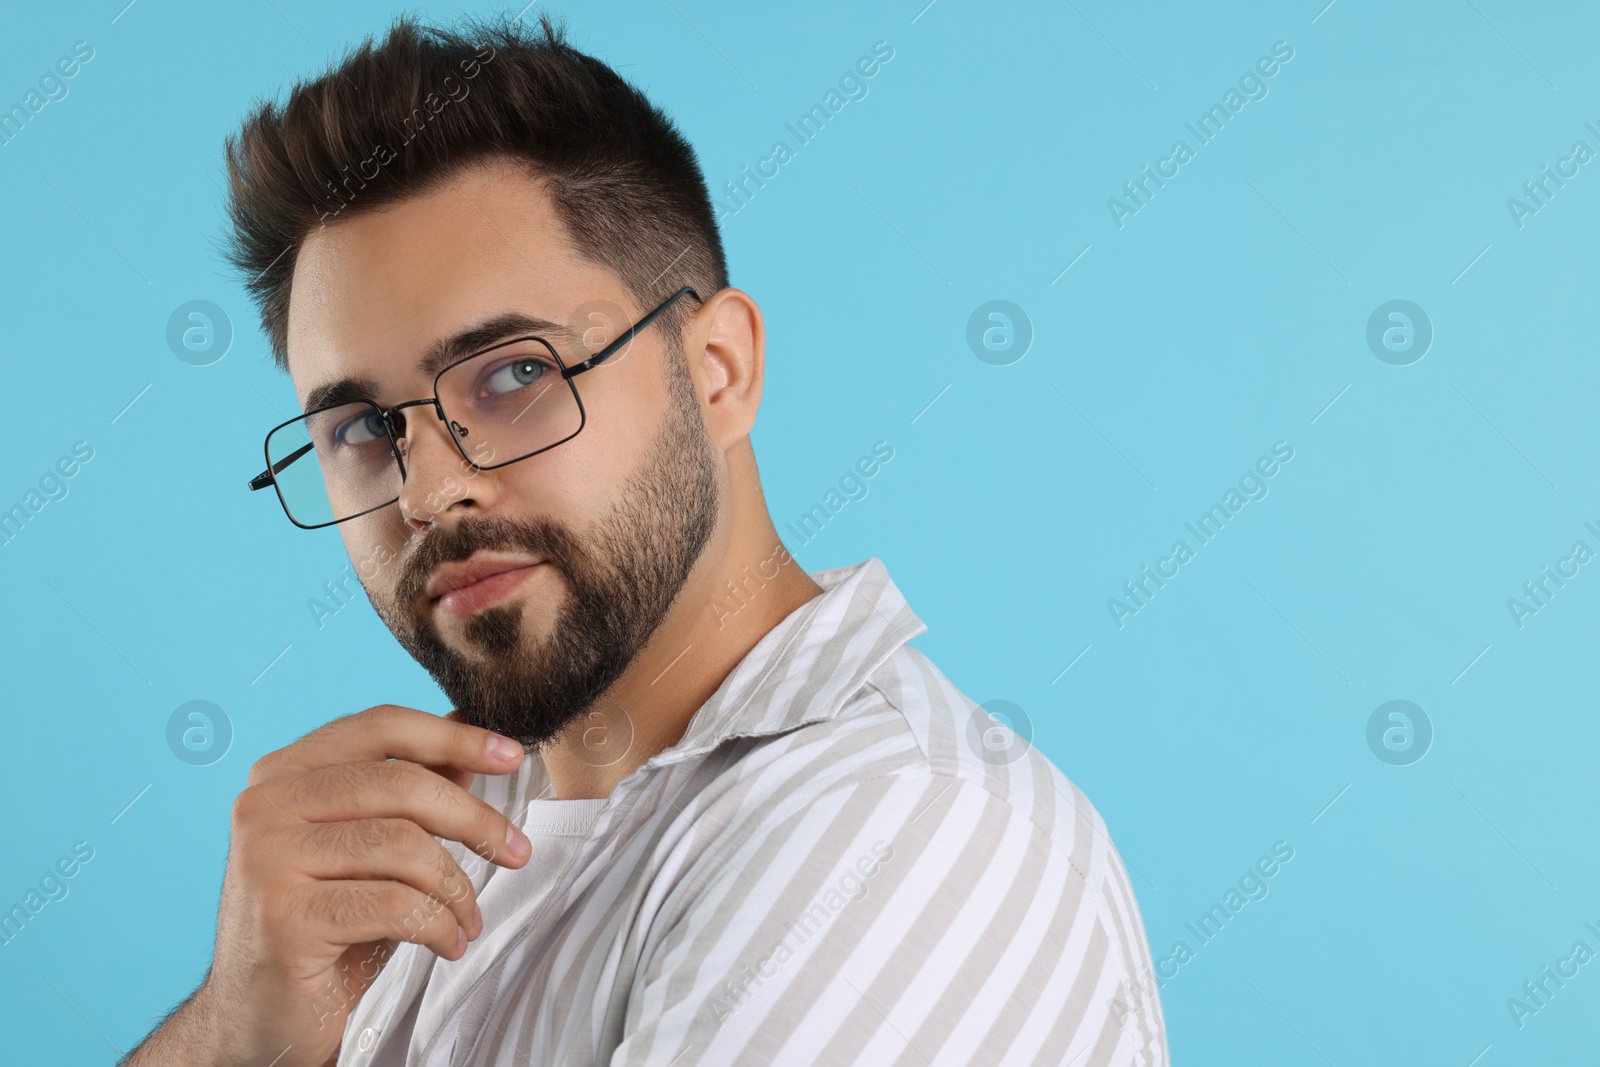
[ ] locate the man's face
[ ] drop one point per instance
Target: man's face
(592, 539)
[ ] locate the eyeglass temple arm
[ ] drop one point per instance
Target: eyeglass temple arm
(264, 479)
(627, 335)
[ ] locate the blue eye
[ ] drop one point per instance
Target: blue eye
(518, 374)
(361, 430)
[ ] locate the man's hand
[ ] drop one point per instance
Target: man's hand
(332, 864)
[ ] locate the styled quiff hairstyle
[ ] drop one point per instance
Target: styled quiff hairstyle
(399, 119)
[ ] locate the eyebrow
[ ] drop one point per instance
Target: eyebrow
(443, 353)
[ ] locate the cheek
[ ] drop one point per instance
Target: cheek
(374, 548)
(570, 484)
(577, 480)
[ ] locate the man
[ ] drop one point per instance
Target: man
(693, 805)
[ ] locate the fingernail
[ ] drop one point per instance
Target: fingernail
(500, 747)
(477, 919)
(517, 842)
(461, 943)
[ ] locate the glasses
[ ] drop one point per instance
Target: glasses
(514, 399)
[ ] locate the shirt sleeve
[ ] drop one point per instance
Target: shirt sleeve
(907, 919)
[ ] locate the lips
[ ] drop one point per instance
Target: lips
(464, 588)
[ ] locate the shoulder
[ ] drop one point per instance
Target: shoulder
(907, 730)
(891, 843)
(911, 764)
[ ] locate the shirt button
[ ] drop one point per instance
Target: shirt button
(366, 1040)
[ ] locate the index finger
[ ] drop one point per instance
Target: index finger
(454, 774)
(391, 731)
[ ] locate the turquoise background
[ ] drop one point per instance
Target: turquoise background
(1230, 713)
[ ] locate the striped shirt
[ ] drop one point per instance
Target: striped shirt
(836, 864)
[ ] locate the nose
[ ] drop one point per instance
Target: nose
(438, 480)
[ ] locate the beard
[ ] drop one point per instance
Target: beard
(622, 576)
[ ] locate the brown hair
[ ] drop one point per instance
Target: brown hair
(396, 120)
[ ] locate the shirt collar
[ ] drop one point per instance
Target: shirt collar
(805, 668)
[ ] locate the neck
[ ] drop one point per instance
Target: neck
(743, 585)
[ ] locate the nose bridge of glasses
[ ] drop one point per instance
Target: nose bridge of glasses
(403, 430)
(396, 419)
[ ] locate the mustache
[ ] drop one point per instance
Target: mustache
(544, 538)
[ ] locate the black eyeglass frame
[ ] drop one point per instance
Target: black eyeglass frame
(269, 475)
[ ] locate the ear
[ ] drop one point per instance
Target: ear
(725, 342)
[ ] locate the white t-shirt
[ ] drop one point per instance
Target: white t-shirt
(556, 828)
